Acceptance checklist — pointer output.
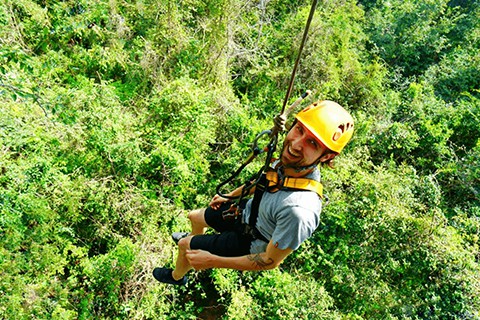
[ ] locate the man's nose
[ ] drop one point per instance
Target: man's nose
(297, 144)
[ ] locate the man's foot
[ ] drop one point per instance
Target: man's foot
(165, 275)
(176, 236)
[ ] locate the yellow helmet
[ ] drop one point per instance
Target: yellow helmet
(329, 122)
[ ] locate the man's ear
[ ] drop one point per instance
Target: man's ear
(327, 157)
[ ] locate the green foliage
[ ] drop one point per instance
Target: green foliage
(426, 131)
(105, 276)
(412, 35)
(279, 295)
(116, 117)
(388, 254)
(335, 65)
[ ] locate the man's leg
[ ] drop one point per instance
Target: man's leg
(176, 276)
(182, 266)
(197, 219)
(199, 225)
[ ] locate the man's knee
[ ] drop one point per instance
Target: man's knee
(184, 243)
(197, 216)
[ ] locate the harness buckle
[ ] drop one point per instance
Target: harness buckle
(232, 213)
(252, 232)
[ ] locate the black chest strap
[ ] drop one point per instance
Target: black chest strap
(257, 197)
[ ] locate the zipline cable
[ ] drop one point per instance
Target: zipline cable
(297, 61)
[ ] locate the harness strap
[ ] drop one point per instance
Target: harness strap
(293, 183)
(257, 197)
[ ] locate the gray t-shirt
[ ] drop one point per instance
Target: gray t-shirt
(286, 217)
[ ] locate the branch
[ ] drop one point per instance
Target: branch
(25, 94)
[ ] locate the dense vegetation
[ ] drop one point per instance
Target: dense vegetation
(119, 116)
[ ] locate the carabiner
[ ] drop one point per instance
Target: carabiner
(255, 148)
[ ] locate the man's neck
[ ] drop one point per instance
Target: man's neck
(296, 172)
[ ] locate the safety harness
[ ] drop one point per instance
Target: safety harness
(272, 181)
(268, 179)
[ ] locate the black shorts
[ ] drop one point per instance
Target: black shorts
(229, 242)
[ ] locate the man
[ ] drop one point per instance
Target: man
(286, 216)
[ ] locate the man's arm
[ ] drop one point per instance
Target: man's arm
(270, 259)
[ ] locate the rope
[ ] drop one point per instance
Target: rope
(297, 61)
(270, 148)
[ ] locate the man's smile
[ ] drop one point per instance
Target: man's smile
(293, 153)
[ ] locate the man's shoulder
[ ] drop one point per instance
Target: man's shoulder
(302, 202)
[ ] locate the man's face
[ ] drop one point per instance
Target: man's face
(301, 148)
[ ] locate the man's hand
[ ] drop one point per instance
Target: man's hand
(279, 121)
(200, 259)
(217, 201)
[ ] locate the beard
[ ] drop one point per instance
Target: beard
(291, 158)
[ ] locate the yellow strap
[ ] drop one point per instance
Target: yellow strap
(295, 183)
